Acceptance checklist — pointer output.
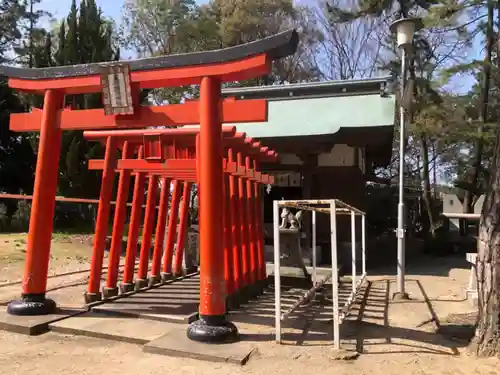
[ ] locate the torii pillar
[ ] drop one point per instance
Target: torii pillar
(212, 312)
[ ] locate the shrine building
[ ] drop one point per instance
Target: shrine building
(330, 137)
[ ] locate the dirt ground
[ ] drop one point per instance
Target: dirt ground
(68, 251)
(393, 337)
(70, 258)
(68, 269)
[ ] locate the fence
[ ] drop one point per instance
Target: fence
(64, 218)
(333, 208)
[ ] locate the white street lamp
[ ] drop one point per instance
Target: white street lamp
(404, 29)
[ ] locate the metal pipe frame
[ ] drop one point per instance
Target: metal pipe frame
(305, 297)
(334, 208)
(310, 205)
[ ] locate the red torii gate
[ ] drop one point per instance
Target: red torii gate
(209, 69)
(171, 154)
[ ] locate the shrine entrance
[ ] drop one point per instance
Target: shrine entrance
(204, 155)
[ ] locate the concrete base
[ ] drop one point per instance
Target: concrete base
(154, 280)
(177, 344)
(92, 297)
(34, 325)
(123, 329)
(32, 305)
(127, 288)
(108, 293)
(213, 329)
(398, 296)
(176, 302)
(167, 277)
(141, 284)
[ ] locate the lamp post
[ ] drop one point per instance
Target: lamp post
(404, 29)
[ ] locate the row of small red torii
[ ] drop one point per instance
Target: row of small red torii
(171, 155)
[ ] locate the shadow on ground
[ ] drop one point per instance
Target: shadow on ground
(368, 328)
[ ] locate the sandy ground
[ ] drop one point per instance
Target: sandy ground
(393, 337)
(68, 270)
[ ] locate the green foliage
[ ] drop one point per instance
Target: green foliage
(31, 34)
(435, 125)
(443, 127)
(155, 27)
(17, 159)
(380, 8)
(12, 12)
(85, 36)
(16, 154)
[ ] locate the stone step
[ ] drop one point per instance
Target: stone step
(124, 329)
(176, 302)
(156, 337)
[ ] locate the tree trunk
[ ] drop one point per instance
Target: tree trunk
(424, 153)
(32, 25)
(434, 170)
(487, 339)
(426, 193)
(483, 116)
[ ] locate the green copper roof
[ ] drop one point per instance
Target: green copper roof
(318, 116)
(319, 108)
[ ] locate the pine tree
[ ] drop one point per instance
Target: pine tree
(16, 154)
(13, 12)
(59, 55)
(71, 50)
(85, 36)
(421, 67)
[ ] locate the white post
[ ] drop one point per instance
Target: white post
(353, 249)
(314, 246)
(277, 278)
(363, 241)
(335, 276)
(400, 233)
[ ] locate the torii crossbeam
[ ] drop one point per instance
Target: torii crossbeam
(120, 84)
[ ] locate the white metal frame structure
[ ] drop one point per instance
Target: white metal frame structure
(332, 207)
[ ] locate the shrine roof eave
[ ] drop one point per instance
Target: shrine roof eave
(346, 87)
(361, 113)
(229, 64)
(377, 140)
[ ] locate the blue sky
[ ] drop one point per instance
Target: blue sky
(60, 8)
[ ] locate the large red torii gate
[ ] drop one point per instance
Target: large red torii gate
(209, 69)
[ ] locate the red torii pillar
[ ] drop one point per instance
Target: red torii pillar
(245, 225)
(209, 70)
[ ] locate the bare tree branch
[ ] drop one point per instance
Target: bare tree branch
(347, 50)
